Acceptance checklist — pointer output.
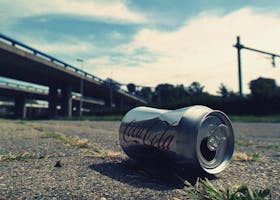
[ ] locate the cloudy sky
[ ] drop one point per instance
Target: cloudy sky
(148, 42)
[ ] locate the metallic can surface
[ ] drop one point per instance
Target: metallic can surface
(195, 135)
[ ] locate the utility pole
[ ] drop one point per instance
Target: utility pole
(81, 88)
(239, 46)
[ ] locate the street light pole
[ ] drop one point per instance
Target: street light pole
(81, 88)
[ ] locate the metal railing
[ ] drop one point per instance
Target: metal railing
(25, 87)
(63, 64)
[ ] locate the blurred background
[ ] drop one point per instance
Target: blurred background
(74, 58)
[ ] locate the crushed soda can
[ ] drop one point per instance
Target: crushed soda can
(192, 136)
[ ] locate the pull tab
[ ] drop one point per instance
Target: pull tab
(217, 137)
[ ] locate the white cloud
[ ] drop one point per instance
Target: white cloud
(202, 50)
(112, 10)
(65, 46)
(100, 61)
(116, 35)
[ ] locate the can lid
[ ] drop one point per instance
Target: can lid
(215, 142)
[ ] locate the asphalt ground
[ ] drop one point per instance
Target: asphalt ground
(36, 164)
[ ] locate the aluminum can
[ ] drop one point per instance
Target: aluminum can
(192, 136)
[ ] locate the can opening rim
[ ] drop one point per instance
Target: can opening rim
(216, 161)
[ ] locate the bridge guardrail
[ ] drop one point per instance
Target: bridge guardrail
(26, 87)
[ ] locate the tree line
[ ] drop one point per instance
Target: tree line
(264, 97)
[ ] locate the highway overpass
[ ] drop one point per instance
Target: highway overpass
(20, 93)
(21, 62)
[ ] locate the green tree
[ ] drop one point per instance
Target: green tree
(263, 87)
(131, 87)
(164, 93)
(195, 89)
(180, 91)
(146, 92)
(225, 92)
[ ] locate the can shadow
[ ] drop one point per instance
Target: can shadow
(154, 175)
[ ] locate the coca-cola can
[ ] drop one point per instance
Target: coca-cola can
(192, 136)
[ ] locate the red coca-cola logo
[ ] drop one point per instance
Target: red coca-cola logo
(151, 135)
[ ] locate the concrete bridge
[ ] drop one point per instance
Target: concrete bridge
(21, 62)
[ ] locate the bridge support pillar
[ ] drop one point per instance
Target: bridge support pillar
(53, 98)
(108, 102)
(79, 111)
(20, 109)
(120, 103)
(109, 97)
(67, 101)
